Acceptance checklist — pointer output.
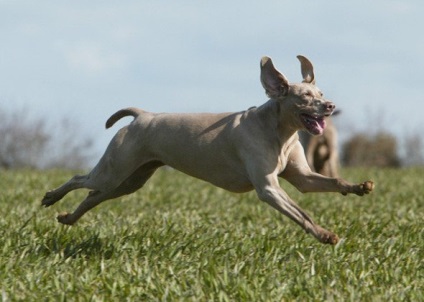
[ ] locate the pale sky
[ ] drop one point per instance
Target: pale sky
(86, 59)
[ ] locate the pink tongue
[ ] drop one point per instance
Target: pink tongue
(315, 125)
(319, 125)
(321, 122)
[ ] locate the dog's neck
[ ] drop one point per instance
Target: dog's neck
(277, 117)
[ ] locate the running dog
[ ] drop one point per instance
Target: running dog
(240, 152)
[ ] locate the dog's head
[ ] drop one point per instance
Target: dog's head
(303, 103)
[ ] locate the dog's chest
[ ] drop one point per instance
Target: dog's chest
(286, 150)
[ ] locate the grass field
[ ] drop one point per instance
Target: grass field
(180, 239)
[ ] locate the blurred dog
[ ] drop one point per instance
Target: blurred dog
(321, 151)
(238, 151)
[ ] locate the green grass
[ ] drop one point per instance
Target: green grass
(180, 239)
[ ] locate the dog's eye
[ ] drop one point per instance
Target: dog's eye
(309, 94)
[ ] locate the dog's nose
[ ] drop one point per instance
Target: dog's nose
(330, 106)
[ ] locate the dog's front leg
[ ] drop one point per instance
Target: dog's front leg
(299, 174)
(270, 192)
(314, 182)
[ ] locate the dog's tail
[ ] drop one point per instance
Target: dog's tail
(122, 113)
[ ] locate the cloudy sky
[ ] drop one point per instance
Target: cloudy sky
(86, 59)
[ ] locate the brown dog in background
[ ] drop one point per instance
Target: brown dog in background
(322, 151)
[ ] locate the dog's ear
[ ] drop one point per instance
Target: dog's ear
(307, 70)
(275, 84)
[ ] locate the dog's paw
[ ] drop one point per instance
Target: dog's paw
(366, 187)
(48, 199)
(329, 238)
(360, 189)
(64, 218)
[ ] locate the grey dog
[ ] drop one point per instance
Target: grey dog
(239, 151)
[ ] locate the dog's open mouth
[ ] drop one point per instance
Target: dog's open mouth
(314, 125)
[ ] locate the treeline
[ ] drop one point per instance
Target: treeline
(31, 142)
(382, 149)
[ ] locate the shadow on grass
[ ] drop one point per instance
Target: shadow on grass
(67, 247)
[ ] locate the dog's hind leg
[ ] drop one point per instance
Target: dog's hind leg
(76, 182)
(134, 182)
(137, 179)
(112, 170)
